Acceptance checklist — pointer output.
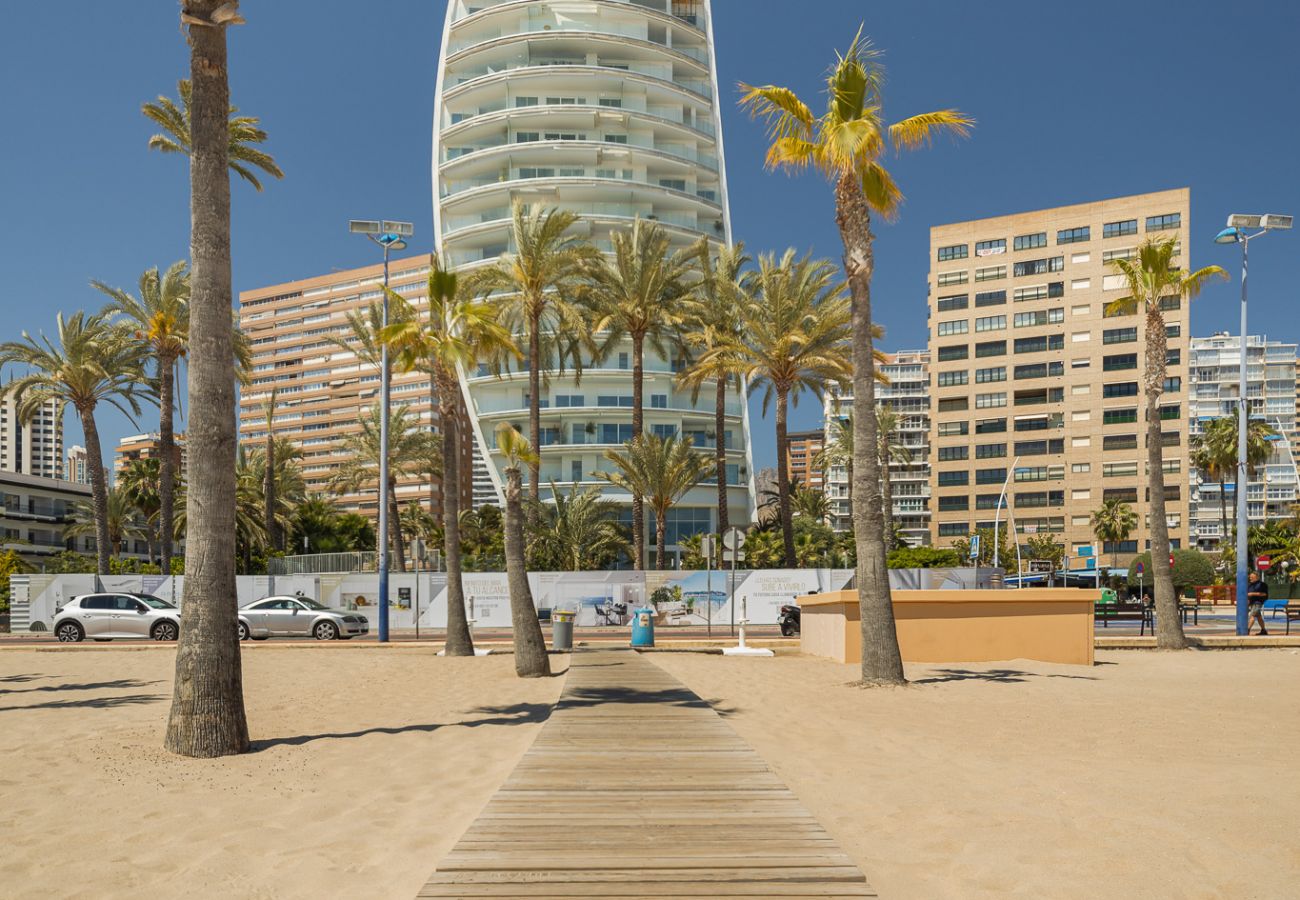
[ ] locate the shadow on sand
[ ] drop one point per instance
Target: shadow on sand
(994, 676)
(516, 714)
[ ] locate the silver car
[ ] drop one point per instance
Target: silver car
(102, 617)
(299, 617)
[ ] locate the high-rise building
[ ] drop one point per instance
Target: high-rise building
(907, 396)
(609, 110)
(1214, 369)
(34, 447)
(1037, 382)
(76, 468)
(324, 393)
(802, 448)
(148, 446)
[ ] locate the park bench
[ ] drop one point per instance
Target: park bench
(1125, 611)
(1292, 614)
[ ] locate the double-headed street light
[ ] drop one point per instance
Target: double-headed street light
(1237, 233)
(389, 236)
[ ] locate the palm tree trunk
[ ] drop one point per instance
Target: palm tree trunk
(167, 464)
(268, 492)
(98, 489)
(1169, 625)
(882, 663)
(395, 526)
(531, 660)
(1223, 515)
(661, 539)
(534, 408)
(638, 424)
(720, 453)
(207, 715)
(459, 641)
(433, 476)
(887, 492)
(783, 478)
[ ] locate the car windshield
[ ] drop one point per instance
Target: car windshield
(310, 603)
(153, 601)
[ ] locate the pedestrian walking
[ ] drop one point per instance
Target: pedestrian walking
(1256, 597)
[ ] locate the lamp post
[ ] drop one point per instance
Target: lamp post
(997, 515)
(389, 236)
(1236, 233)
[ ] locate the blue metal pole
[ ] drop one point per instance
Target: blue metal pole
(383, 471)
(1243, 428)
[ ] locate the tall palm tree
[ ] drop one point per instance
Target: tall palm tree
(159, 317)
(1113, 522)
(661, 470)
(460, 330)
(797, 330)
(207, 714)
(243, 134)
(712, 322)
(846, 144)
(530, 648)
(541, 279)
(1151, 276)
(139, 481)
(280, 486)
(578, 531)
(637, 295)
(88, 362)
(810, 503)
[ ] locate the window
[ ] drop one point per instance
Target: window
(1040, 499)
(1165, 222)
(991, 273)
(1039, 423)
(954, 504)
(951, 379)
(612, 433)
(1119, 442)
(950, 454)
(575, 470)
(623, 360)
(990, 401)
(1120, 389)
(957, 326)
(953, 429)
(953, 302)
(1040, 266)
(521, 102)
(1040, 448)
(1120, 307)
(673, 184)
(1119, 335)
(1173, 357)
(1170, 439)
(1040, 370)
(1119, 361)
(947, 279)
(955, 251)
(1173, 385)
(990, 426)
(990, 298)
(1081, 284)
(1073, 235)
(1171, 412)
(1120, 547)
(1169, 304)
(1038, 292)
(956, 351)
(1118, 470)
(1039, 344)
(664, 431)
(953, 479)
(1175, 331)
(98, 603)
(613, 102)
(990, 323)
(570, 400)
(954, 404)
(1041, 317)
(996, 373)
(1080, 363)
(990, 476)
(616, 139)
(991, 248)
(658, 401)
(1118, 229)
(1119, 416)
(990, 451)
(527, 137)
(1031, 241)
(991, 348)
(987, 501)
(952, 529)
(1081, 468)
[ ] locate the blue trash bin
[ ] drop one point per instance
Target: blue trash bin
(643, 627)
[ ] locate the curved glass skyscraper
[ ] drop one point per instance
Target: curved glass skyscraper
(608, 108)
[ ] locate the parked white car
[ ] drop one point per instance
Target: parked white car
(103, 617)
(300, 617)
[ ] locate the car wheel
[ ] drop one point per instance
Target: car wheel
(243, 632)
(70, 633)
(325, 631)
(164, 631)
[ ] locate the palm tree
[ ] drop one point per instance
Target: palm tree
(280, 486)
(1151, 277)
(810, 503)
(578, 531)
(243, 133)
(249, 528)
(140, 482)
(712, 323)
(329, 531)
(846, 145)
(541, 279)
(797, 331)
(1215, 455)
(121, 520)
(1113, 522)
(159, 316)
(530, 648)
(837, 449)
(460, 330)
(89, 362)
(661, 470)
(891, 452)
(273, 534)
(207, 714)
(638, 295)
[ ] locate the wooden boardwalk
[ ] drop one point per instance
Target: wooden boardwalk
(635, 787)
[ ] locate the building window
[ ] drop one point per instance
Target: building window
(990, 451)
(991, 323)
(1040, 266)
(1031, 241)
(990, 476)
(991, 273)
(953, 529)
(991, 248)
(990, 298)
(1039, 448)
(1119, 470)
(1165, 222)
(953, 404)
(1173, 357)
(1040, 317)
(1119, 416)
(1174, 331)
(991, 348)
(952, 379)
(1126, 253)
(1119, 335)
(990, 426)
(1120, 547)
(1073, 235)
(990, 401)
(954, 479)
(1119, 442)
(1040, 370)
(1119, 361)
(987, 501)
(1119, 229)
(658, 401)
(953, 429)
(995, 373)
(947, 279)
(1169, 304)
(1120, 389)
(955, 251)
(957, 326)
(1171, 412)
(616, 139)
(954, 352)
(950, 454)
(1173, 385)
(1039, 344)
(954, 504)
(953, 302)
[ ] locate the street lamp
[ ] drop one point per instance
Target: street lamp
(1236, 233)
(389, 236)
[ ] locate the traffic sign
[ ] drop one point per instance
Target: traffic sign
(1264, 562)
(974, 546)
(1140, 568)
(734, 538)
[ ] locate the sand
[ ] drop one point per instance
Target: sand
(1150, 774)
(370, 764)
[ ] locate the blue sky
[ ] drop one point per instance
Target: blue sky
(1075, 102)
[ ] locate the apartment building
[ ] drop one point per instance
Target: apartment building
(1037, 383)
(802, 448)
(75, 466)
(34, 447)
(148, 446)
(1214, 369)
(324, 392)
(37, 510)
(609, 110)
(907, 397)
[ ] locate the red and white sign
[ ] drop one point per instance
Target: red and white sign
(1264, 562)
(1171, 559)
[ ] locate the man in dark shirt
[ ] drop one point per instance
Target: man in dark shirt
(1256, 596)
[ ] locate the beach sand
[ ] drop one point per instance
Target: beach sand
(370, 764)
(1150, 774)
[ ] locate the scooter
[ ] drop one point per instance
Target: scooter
(789, 620)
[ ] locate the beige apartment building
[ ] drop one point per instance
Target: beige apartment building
(148, 446)
(802, 448)
(1036, 386)
(323, 391)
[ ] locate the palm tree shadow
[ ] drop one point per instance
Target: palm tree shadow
(580, 697)
(993, 676)
(515, 714)
(20, 679)
(120, 683)
(92, 702)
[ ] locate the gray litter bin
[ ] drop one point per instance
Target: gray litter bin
(561, 630)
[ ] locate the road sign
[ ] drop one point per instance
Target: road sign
(1264, 562)
(1171, 558)
(1090, 562)
(729, 555)
(734, 538)
(1140, 568)
(974, 546)
(708, 546)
